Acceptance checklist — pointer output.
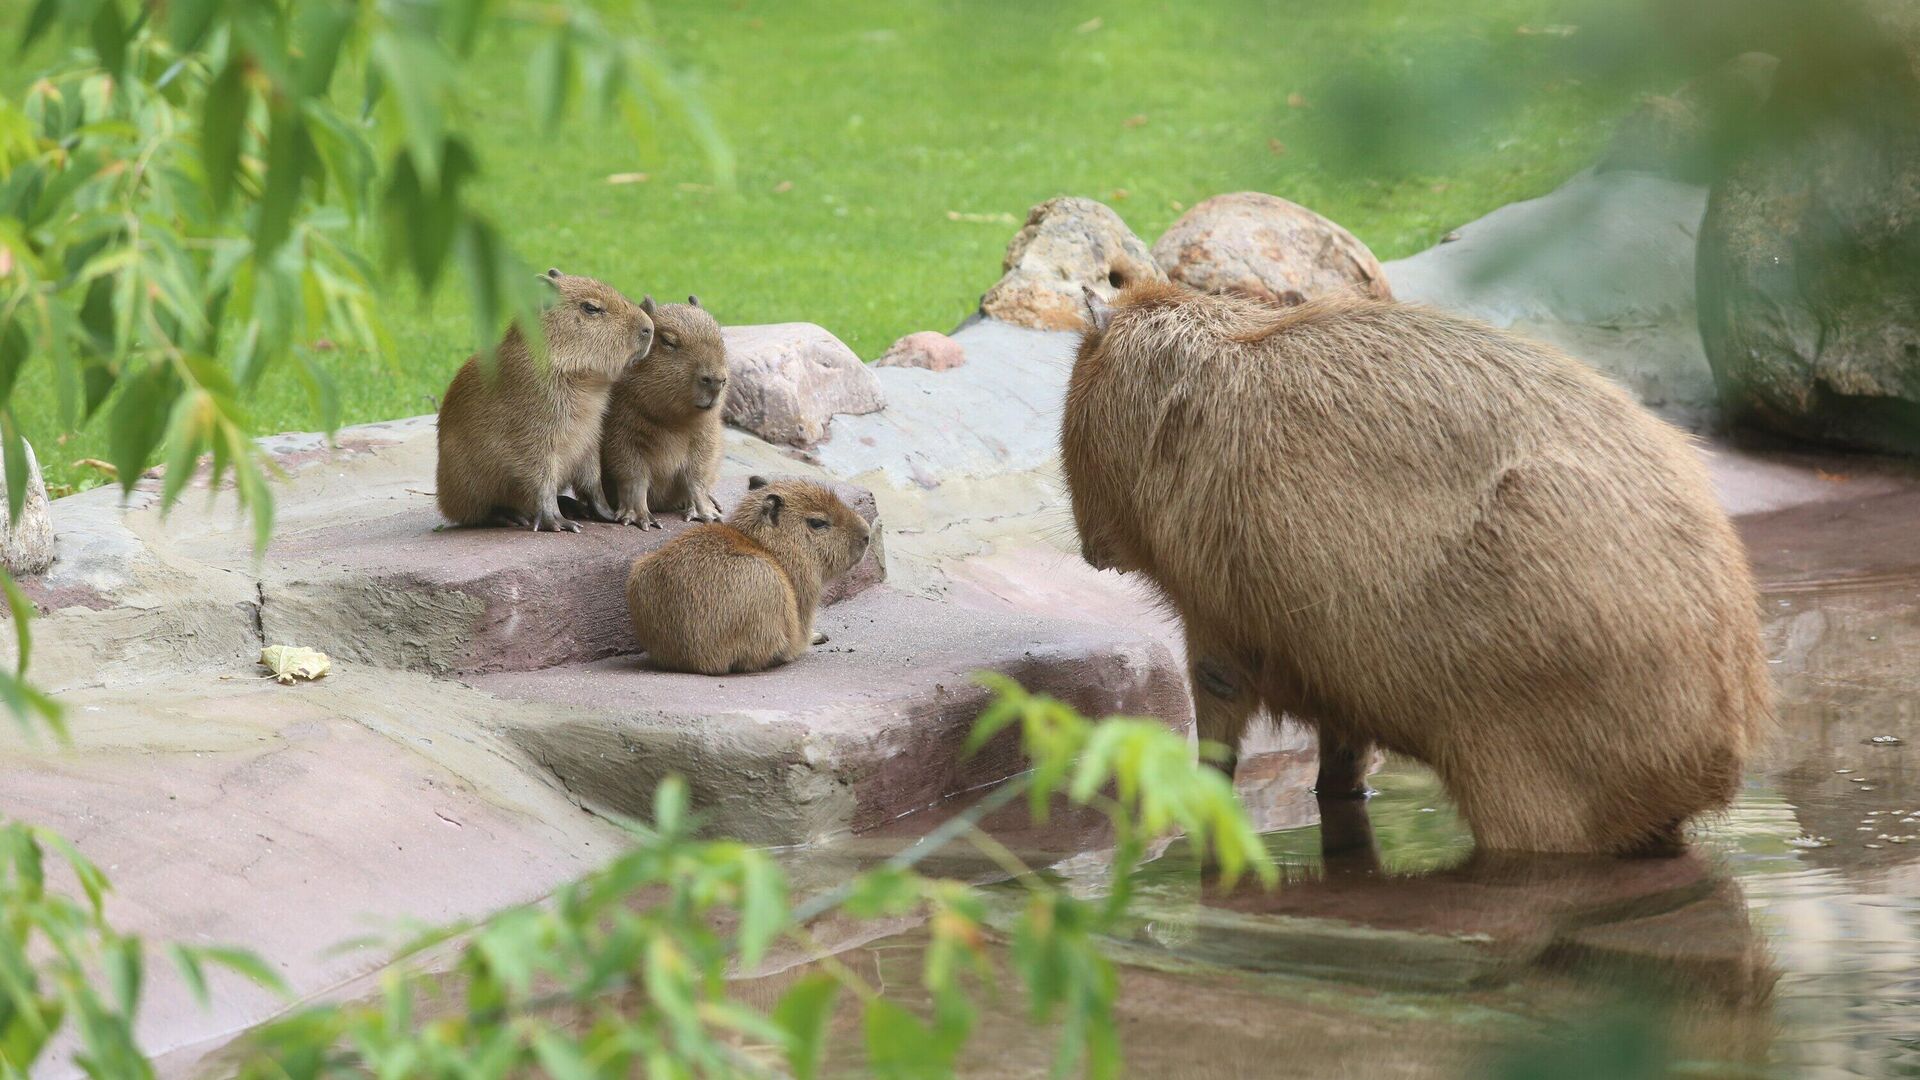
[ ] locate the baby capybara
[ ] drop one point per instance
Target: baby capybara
(739, 595)
(512, 438)
(1415, 531)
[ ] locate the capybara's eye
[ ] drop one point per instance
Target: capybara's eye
(591, 308)
(816, 523)
(669, 341)
(1116, 279)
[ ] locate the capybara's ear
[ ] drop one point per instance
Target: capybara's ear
(553, 273)
(755, 483)
(1099, 312)
(771, 505)
(646, 305)
(692, 299)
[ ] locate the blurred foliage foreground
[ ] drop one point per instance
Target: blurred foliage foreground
(186, 200)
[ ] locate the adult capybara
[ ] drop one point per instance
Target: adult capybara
(1415, 531)
(512, 439)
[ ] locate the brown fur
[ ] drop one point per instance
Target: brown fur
(663, 440)
(740, 596)
(511, 439)
(1415, 531)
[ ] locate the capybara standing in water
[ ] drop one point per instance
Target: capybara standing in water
(739, 596)
(511, 439)
(663, 440)
(1417, 532)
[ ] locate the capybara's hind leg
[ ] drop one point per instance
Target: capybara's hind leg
(508, 516)
(1526, 809)
(1223, 702)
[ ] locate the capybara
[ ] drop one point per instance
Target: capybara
(513, 438)
(1414, 531)
(739, 596)
(663, 440)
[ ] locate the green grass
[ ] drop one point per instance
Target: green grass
(859, 125)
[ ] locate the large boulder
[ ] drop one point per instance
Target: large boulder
(1265, 246)
(787, 380)
(26, 545)
(1067, 246)
(1809, 258)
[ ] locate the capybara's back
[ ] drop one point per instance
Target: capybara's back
(1417, 531)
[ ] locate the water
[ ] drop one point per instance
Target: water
(1784, 943)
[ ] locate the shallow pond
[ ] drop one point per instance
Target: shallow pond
(1785, 943)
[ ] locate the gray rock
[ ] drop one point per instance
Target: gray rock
(1067, 246)
(26, 545)
(1809, 265)
(928, 349)
(1265, 246)
(1602, 267)
(788, 379)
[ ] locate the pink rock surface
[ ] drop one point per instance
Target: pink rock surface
(395, 591)
(928, 349)
(789, 379)
(861, 730)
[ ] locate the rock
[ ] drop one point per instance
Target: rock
(1809, 256)
(26, 546)
(847, 738)
(1068, 244)
(1601, 267)
(394, 590)
(1677, 135)
(789, 379)
(1267, 247)
(929, 349)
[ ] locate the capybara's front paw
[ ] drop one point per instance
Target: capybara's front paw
(551, 521)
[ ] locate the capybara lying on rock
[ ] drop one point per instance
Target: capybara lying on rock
(511, 439)
(740, 595)
(1415, 531)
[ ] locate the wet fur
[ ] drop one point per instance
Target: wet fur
(1413, 530)
(740, 596)
(512, 439)
(663, 440)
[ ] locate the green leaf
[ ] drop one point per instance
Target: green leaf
(550, 75)
(14, 352)
(191, 973)
(561, 1058)
(289, 153)
(108, 32)
(804, 1011)
(38, 24)
(763, 907)
(188, 22)
(322, 30)
(123, 963)
(185, 436)
(670, 805)
(22, 609)
(92, 881)
(139, 420)
(246, 964)
(899, 1046)
(223, 121)
(411, 69)
(13, 451)
(883, 892)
